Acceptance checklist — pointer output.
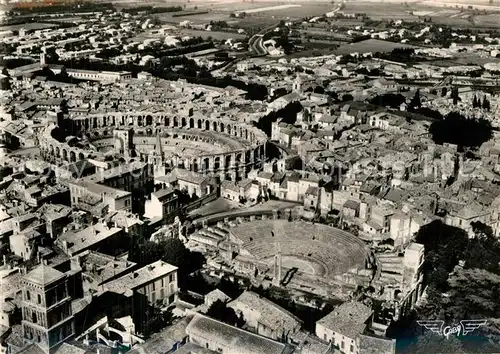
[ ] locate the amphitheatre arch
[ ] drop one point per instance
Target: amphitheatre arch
(197, 143)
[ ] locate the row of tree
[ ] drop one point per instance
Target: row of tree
(476, 103)
(152, 10)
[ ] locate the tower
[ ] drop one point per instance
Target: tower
(123, 141)
(297, 83)
(277, 266)
(158, 151)
(46, 307)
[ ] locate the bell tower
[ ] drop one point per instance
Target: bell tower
(46, 308)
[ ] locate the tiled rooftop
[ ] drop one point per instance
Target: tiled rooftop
(235, 340)
(347, 319)
(271, 315)
(140, 277)
(43, 275)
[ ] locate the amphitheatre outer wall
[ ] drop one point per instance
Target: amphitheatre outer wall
(245, 146)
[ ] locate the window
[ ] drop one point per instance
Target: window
(28, 295)
(342, 345)
(33, 317)
(352, 348)
(153, 285)
(162, 282)
(171, 278)
(39, 298)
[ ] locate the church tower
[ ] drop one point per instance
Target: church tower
(46, 308)
(297, 83)
(158, 152)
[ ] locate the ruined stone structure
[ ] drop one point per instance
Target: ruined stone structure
(225, 148)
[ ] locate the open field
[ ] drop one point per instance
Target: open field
(464, 60)
(370, 46)
(261, 13)
(487, 20)
(380, 11)
(306, 10)
(67, 19)
(221, 9)
(201, 18)
(28, 26)
(215, 35)
(446, 13)
(253, 22)
(271, 8)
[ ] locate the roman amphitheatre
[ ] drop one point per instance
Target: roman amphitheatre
(225, 147)
(318, 255)
(314, 249)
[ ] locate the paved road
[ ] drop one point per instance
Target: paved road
(256, 42)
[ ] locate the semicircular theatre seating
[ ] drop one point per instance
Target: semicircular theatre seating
(335, 249)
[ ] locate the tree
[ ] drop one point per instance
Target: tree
(462, 131)
(474, 293)
(219, 311)
(474, 102)
(156, 320)
(287, 113)
(388, 99)
(472, 289)
(432, 343)
(483, 250)
(444, 247)
(415, 102)
(347, 97)
(486, 104)
(172, 251)
(454, 95)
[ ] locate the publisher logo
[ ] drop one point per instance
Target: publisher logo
(462, 329)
